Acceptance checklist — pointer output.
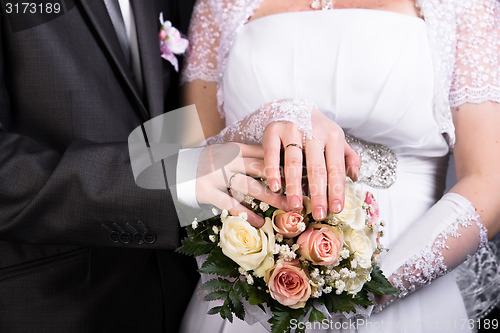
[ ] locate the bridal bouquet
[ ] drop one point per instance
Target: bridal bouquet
(297, 268)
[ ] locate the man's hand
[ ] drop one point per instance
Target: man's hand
(231, 167)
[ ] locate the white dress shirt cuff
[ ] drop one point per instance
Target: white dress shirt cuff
(187, 165)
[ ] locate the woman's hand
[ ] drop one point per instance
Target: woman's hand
(328, 159)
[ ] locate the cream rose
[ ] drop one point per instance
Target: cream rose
(321, 244)
(362, 245)
(353, 213)
(289, 284)
(250, 247)
(355, 284)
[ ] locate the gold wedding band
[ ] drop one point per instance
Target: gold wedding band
(231, 179)
(294, 145)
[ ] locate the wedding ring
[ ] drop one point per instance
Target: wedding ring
(294, 145)
(231, 179)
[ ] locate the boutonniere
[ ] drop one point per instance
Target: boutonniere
(171, 42)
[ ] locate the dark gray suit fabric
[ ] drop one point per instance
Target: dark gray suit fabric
(67, 105)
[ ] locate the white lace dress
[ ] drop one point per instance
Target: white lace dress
(375, 74)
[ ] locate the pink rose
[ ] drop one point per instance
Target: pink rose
(289, 284)
(321, 244)
(289, 224)
(373, 209)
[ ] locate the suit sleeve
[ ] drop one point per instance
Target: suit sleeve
(84, 195)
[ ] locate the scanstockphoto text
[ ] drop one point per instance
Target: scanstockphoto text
(387, 325)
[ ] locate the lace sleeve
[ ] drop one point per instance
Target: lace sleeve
(476, 77)
(446, 236)
(251, 128)
(204, 37)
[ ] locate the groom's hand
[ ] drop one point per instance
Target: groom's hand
(225, 175)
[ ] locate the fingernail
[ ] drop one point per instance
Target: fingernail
(319, 213)
(295, 202)
(273, 185)
(256, 221)
(337, 206)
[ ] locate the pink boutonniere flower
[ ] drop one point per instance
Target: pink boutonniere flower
(171, 42)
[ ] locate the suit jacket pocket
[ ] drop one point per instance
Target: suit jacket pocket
(19, 270)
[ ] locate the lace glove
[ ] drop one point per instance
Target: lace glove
(443, 238)
(251, 128)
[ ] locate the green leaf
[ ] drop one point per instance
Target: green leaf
(339, 303)
(361, 298)
(316, 315)
(215, 310)
(280, 321)
(194, 247)
(243, 288)
(257, 296)
(215, 295)
(379, 285)
(269, 213)
(216, 284)
(226, 312)
(236, 304)
(217, 263)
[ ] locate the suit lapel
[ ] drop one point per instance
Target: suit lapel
(147, 23)
(98, 17)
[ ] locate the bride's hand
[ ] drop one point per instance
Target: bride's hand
(232, 166)
(328, 159)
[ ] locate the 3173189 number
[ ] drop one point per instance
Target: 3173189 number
(32, 8)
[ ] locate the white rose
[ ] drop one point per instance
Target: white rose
(353, 213)
(361, 245)
(355, 284)
(250, 247)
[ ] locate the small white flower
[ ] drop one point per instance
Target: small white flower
(215, 229)
(328, 290)
(264, 206)
(354, 263)
(344, 272)
(295, 247)
(194, 225)
(301, 226)
(339, 285)
(249, 279)
(279, 237)
(286, 254)
(215, 211)
(344, 253)
(212, 238)
(253, 204)
(224, 214)
(243, 215)
(317, 294)
(248, 199)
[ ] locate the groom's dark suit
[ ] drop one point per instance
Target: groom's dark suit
(73, 255)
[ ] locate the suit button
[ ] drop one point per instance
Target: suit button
(137, 238)
(114, 236)
(125, 237)
(149, 237)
